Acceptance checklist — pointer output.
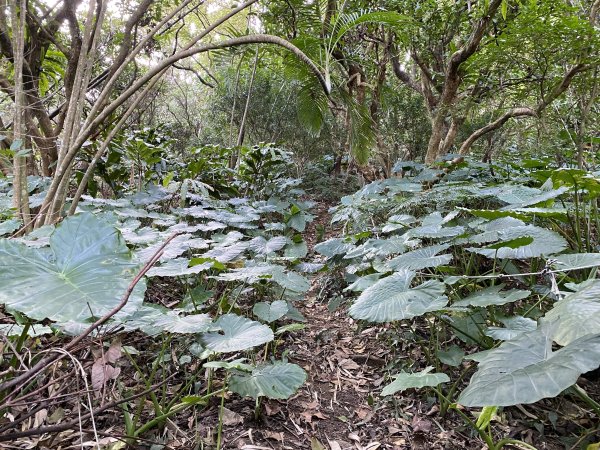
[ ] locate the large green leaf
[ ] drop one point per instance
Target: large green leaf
(404, 381)
(524, 242)
(392, 298)
(178, 267)
(9, 226)
(420, 259)
(174, 323)
(577, 315)
(85, 272)
(576, 261)
(270, 312)
(526, 369)
(492, 295)
(278, 381)
(261, 246)
(522, 196)
(514, 326)
(237, 333)
(333, 247)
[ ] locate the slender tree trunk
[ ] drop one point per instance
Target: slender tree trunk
(232, 116)
(20, 192)
(60, 183)
(242, 133)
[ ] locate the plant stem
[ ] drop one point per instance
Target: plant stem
(502, 442)
(221, 410)
(582, 395)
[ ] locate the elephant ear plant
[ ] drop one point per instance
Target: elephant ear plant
(495, 277)
(82, 274)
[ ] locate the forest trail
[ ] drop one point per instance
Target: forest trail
(339, 407)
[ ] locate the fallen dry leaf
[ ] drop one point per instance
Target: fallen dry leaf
(102, 372)
(419, 424)
(315, 444)
(231, 418)
(276, 436)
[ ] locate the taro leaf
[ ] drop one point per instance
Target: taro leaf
(528, 213)
(526, 369)
(451, 357)
(296, 250)
(144, 318)
(270, 312)
(470, 328)
(309, 267)
(531, 198)
(539, 241)
(227, 253)
(142, 236)
(225, 240)
(333, 247)
(291, 281)
(492, 296)
(577, 315)
(435, 231)
(493, 213)
(210, 226)
(363, 283)
(294, 314)
(576, 261)
(85, 272)
(38, 238)
(174, 323)
(382, 247)
(251, 274)
(237, 364)
(179, 245)
(9, 226)
(420, 259)
(514, 326)
(392, 298)
(404, 381)
(299, 220)
(178, 267)
(11, 329)
(277, 381)
(261, 246)
(274, 226)
(238, 333)
(398, 222)
(153, 319)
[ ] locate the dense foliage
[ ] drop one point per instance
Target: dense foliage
(177, 179)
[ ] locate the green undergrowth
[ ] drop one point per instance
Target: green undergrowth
(494, 269)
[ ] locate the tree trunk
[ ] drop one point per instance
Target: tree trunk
(20, 192)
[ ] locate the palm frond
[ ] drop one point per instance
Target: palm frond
(311, 108)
